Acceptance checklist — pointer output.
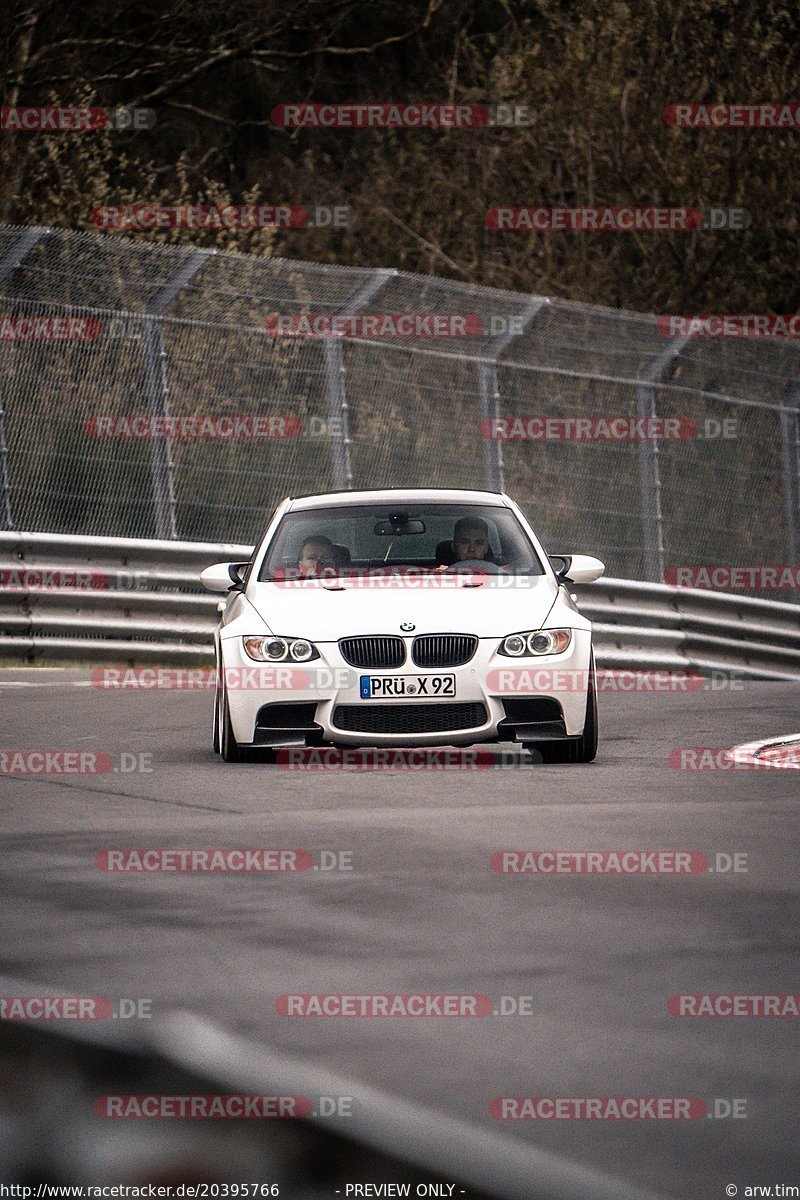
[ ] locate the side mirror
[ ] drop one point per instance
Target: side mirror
(576, 568)
(223, 576)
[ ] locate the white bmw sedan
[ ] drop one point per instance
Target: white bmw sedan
(403, 617)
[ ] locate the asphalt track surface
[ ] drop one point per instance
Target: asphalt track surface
(422, 911)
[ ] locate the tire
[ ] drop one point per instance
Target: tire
(582, 749)
(587, 743)
(216, 738)
(229, 748)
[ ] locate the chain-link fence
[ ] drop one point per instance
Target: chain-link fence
(99, 330)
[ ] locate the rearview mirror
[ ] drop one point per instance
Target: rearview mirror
(398, 526)
(221, 577)
(576, 568)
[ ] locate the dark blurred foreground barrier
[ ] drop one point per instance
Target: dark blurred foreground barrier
(51, 1134)
(66, 598)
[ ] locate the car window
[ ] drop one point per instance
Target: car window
(359, 538)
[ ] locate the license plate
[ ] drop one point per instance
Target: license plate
(389, 687)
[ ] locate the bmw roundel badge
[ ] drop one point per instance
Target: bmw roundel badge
(408, 627)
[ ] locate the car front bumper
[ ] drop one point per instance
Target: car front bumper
(500, 698)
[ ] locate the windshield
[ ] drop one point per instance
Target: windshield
(397, 538)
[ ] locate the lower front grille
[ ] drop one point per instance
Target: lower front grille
(525, 709)
(531, 718)
(298, 715)
(408, 718)
(288, 724)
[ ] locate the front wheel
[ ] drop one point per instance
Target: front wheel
(217, 703)
(573, 750)
(229, 748)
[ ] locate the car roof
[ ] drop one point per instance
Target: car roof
(411, 496)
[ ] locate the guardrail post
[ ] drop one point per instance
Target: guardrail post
(157, 390)
(23, 243)
(790, 459)
(336, 387)
(489, 391)
(649, 467)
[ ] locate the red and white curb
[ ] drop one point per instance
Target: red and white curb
(773, 752)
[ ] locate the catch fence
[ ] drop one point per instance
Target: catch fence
(106, 340)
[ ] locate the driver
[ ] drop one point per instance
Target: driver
(471, 539)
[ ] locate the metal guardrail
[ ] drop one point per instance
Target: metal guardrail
(141, 601)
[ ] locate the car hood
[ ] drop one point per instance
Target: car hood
(325, 612)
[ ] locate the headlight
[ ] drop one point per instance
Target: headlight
(541, 641)
(270, 649)
(514, 645)
(301, 650)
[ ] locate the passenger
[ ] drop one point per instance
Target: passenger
(316, 554)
